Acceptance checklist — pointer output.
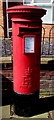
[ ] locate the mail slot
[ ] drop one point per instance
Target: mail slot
(26, 37)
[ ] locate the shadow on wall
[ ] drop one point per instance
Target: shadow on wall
(49, 66)
(7, 89)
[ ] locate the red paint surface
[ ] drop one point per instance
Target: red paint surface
(26, 67)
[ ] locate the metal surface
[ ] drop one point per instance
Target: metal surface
(26, 69)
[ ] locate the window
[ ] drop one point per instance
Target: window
(48, 17)
(42, 1)
(27, 1)
(47, 5)
(36, 1)
(53, 13)
(7, 20)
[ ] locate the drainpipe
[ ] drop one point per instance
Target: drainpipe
(7, 19)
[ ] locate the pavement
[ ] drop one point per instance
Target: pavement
(5, 115)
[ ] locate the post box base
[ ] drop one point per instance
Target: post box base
(26, 104)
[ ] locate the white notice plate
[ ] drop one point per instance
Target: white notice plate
(29, 44)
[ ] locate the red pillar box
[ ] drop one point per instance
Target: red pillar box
(26, 36)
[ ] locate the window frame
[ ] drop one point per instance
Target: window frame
(32, 3)
(52, 13)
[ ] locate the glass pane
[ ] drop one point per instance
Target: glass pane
(27, 1)
(53, 13)
(42, 1)
(47, 18)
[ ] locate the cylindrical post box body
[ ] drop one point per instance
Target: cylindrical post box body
(26, 36)
(26, 62)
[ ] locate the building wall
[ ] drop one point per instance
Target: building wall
(47, 28)
(1, 20)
